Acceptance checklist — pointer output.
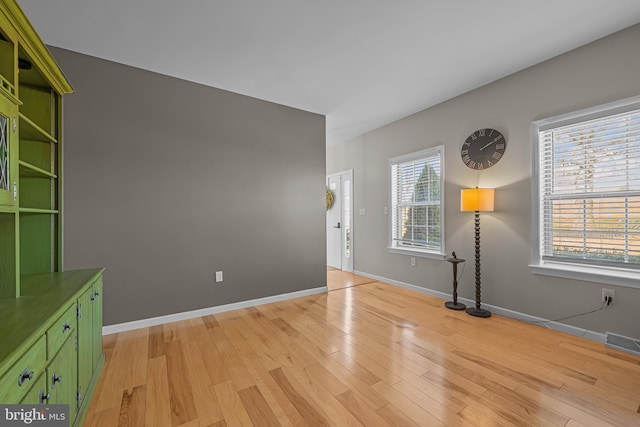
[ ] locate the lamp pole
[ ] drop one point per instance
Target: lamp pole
(477, 311)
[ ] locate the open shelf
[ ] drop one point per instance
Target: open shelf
(30, 130)
(38, 235)
(27, 169)
(38, 211)
(38, 155)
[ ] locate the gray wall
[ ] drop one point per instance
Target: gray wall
(604, 71)
(167, 181)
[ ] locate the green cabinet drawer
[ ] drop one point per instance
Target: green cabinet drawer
(62, 329)
(62, 376)
(20, 377)
(35, 395)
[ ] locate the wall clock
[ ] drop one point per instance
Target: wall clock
(483, 149)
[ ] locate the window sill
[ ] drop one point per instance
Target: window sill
(416, 253)
(610, 276)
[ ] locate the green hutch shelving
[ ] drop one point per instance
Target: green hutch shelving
(50, 320)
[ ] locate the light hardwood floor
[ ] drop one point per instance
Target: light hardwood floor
(371, 355)
(338, 279)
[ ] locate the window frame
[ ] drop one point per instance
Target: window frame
(590, 272)
(391, 244)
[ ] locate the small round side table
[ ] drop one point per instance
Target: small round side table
(455, 305)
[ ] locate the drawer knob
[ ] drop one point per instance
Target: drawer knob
(66, 327)
(25, 375)
(96, 293)
(55, 379)
(44, 397)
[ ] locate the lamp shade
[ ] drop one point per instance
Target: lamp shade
(476, 199)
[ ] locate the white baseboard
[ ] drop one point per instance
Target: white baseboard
(145, 323)
(556, 326)
(160, 320)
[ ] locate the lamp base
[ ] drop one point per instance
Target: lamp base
(455, 305)
(478, 312)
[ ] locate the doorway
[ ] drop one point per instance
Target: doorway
(340, 221)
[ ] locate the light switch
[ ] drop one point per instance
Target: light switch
(363, 211)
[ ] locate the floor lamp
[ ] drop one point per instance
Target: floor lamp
(477, 200)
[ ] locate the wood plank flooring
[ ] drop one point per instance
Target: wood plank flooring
(338, 279)
(366, 355)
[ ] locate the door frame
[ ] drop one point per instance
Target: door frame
(349, 174)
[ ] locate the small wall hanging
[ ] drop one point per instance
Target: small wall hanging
(329, 199)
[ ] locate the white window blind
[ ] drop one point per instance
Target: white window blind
(589, 190)
(416, 199)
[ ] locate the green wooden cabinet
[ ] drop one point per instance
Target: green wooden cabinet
(96, 311)
(85, 341)
(31, 90)
(8, 116)
(49, 333)
(9, 272)
(8, 151)
(89, 334)
(48, 352)
(63, 377)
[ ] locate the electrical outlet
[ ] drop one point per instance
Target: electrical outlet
(413, 262)
(218, 276)
(608, 293)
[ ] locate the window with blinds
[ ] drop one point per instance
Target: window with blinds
(589, 187)
(417, 201)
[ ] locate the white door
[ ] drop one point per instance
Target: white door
(334, 224)
(339, 222)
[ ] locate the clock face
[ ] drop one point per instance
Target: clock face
(483, 149)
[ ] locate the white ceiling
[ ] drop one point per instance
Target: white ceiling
(362, 63)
